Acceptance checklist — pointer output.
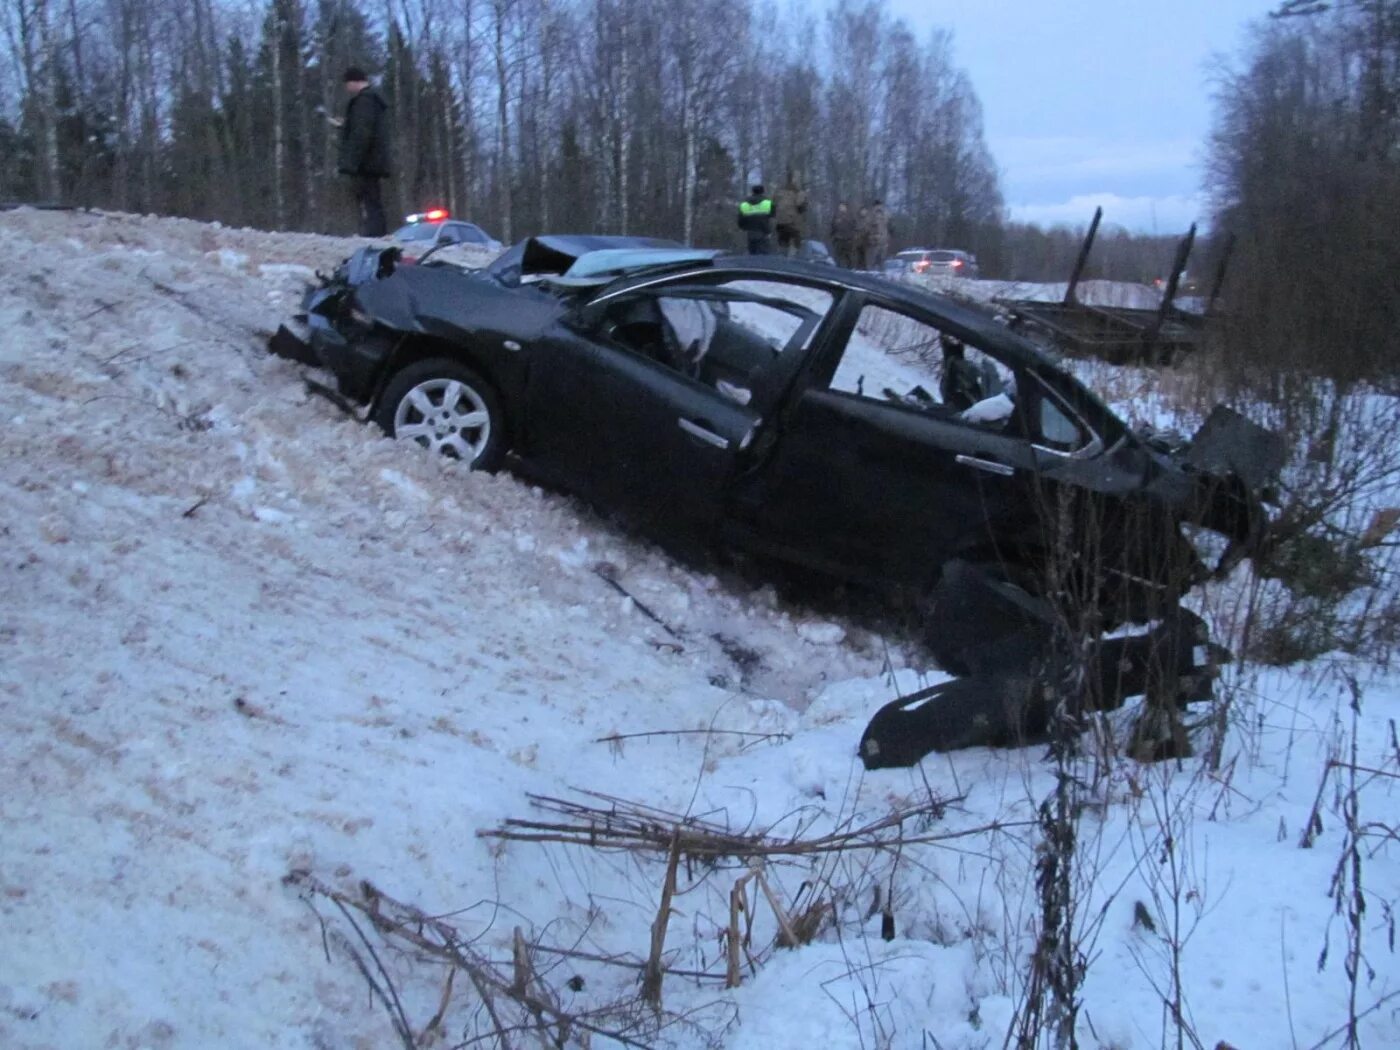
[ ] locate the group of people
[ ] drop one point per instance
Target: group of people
(784, 213)
(859, 240)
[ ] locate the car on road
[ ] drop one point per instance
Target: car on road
(939, 262)
(435, 229)
(868, 429)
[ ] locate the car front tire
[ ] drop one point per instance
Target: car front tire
(448, 409)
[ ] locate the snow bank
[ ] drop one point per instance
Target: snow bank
(242, 634)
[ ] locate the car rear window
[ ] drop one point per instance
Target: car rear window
(417, 231)
(942, 256)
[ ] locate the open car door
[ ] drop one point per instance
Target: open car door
(647, 399)
(630, 432)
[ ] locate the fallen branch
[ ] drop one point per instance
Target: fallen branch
(622, 961)
(534, 1006)
(617, 738)
(623, 825)
(101, 308)
(604, 573)
(388, 994)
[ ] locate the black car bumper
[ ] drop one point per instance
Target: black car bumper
(292, 340)
(355, 364)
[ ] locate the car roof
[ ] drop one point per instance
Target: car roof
(600, 267)
(580, 244)
(554, 253)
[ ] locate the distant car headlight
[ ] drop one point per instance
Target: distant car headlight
(1210, 546)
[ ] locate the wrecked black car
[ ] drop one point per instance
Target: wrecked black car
(873, 431)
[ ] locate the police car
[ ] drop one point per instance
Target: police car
(430, 230)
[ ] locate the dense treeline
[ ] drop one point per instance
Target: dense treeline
(1033, 253)
(1305, 168)
(529, 114)
(617, 115)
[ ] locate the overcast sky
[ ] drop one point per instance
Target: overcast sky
(1094, 101)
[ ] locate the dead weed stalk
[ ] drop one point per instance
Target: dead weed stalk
(1347, 890)
(519, 1004)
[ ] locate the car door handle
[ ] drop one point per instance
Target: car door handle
(991, 466)
(708, 436)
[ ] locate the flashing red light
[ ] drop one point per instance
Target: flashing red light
(436, 215)
(957, 263)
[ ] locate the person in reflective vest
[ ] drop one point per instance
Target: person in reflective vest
(756, 220)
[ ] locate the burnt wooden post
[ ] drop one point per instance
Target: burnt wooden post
(1183, 252)
(1219, 281)
(1070, 299)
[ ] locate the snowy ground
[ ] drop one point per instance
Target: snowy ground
(242, 634)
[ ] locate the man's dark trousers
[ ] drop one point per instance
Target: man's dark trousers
(371, 202)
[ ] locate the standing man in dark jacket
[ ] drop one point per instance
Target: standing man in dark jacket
(364, 150)
(756, 220)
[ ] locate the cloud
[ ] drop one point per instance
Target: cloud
(1164, 214)
(1054, 158)
(1143, 184)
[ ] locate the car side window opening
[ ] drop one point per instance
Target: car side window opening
(724, 335)
(1056, 427)
(892, 356)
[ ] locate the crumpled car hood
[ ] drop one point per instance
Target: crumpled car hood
(1229, 444)
(1219, 478)
(443, 301)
